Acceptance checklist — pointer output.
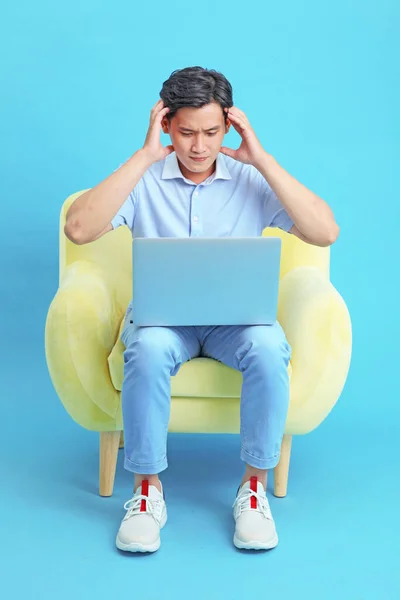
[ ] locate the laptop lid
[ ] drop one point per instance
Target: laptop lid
(205, 281)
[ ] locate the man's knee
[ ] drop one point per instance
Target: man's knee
(266, 346)
(150, 345)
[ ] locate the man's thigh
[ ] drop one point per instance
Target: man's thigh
(184, 340)
(228, 343)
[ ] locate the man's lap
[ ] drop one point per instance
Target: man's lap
(222, 342)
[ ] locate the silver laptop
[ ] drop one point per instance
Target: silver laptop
(205, 281)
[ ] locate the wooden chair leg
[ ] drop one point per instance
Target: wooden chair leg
(109, 442)
(121, 441)
(281, 471)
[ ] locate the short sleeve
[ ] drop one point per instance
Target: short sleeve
(274, 214)
(126, 214)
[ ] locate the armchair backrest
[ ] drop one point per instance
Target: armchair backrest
(112, 253)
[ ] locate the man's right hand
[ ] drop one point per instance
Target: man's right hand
(152, 146)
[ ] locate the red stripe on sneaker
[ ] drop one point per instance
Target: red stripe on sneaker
(145, 492)
(253, 487)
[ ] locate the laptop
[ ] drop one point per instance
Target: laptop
(205, 281)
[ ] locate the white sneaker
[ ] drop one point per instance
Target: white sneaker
(146, 515)
(255, 527)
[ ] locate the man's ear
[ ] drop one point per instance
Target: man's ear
(165, 125)
(227, 125)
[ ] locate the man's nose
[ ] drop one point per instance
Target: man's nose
(198, 145)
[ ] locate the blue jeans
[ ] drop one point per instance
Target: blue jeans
(154, 354)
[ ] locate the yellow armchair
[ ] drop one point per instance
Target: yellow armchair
(85, 355)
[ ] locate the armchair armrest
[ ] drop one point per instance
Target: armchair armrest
(81, 328)
(317, 325)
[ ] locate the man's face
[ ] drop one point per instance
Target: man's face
(197, 133)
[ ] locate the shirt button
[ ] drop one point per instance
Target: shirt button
(195, 219)
(196, 194)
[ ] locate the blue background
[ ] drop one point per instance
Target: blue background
(319, 82)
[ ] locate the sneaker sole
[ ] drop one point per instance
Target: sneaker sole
(255, 545)
(137, 547)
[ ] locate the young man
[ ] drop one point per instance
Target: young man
(195, 187)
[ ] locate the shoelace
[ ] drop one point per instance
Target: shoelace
(243, 502)
(153, 506)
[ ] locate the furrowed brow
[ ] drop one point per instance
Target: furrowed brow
(216, 127)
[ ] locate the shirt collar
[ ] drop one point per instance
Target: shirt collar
(171, 169)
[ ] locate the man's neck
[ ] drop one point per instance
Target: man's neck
(197, 178)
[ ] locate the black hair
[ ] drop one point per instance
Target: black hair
(195, 86)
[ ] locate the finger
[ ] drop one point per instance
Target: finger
(240, 121)
(232, 113)
(160, 114)
(157, 106)
(239, 114)
(237, 122)
(235, 115)
(236, 110)
(163, 112)
(238, 129)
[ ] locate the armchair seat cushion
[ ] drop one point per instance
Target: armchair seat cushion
(200, 377)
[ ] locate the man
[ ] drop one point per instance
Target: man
(195, 187)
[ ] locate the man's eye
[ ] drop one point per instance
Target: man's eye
(187, 134)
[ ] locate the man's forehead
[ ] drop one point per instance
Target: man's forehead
(199, 119)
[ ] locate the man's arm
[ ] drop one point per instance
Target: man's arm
(90, 216)
(313, 219)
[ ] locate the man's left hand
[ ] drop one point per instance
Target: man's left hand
(250, 150)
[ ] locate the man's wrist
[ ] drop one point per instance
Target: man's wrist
(145, 157)
(264, 162)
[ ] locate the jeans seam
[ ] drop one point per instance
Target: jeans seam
(258, 457)
(143, 465)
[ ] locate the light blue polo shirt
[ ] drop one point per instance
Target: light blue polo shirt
(234, 201)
